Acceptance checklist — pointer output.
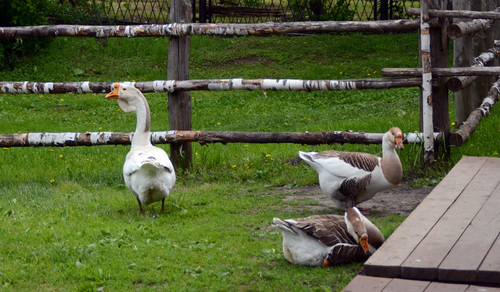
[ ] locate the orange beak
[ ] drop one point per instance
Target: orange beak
(364, 243)
(114, 94)
(326, 263)
(399, 141)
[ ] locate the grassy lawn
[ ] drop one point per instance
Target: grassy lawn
(69, 223)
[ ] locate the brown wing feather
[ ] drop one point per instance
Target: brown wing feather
(364, 161)
(328, 229)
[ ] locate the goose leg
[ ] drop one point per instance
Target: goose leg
(140, 205)
(363, 210)
(163, 205)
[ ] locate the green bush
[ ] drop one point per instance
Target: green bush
(40, 12)
(20, 13)
(321, 10)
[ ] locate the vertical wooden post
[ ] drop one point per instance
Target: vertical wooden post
(462, 57)
(426, 90)
(465, 49)
(440, 105)
(179, 103)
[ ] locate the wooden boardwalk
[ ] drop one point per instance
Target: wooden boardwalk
(450, 242)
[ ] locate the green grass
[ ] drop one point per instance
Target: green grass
(69, 222)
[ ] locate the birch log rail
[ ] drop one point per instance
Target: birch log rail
(463, 131)
(458, 83)
(159, 86)
(202, 137)
(440, 72)
(456, 13)
(179, 29)
(459, 29)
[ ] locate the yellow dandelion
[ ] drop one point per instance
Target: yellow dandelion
(62, 99)
(340, 72)
(51, 150)
(415, 132)
(268, 155)
(218, 124)
(5, 148)
(100, 128)
(453, 124)
(246, 145)
(236, 108)
(52, 181)
(234, 165)
(61, 156)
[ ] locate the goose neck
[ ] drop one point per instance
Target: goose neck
(143, 126)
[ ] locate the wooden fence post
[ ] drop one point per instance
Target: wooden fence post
(426, 89)
(179, 102)
(440, 104)
(464, 51)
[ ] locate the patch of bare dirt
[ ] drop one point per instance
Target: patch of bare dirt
(401, 200)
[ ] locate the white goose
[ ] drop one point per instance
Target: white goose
(147, 171)
(329, 239)
(350, 178)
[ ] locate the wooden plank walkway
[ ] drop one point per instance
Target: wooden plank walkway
(453, 236)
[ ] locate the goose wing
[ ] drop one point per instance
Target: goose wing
(149, 155)
(342, 164)
(328, 229)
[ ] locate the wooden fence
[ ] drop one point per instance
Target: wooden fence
(431, 78)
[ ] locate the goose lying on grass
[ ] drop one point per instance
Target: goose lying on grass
(147, 171)
(350, 178)
(329, 239)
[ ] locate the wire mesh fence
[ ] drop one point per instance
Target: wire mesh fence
(241, 11)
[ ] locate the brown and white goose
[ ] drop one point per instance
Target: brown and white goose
(350, 178)
(147, 171)
(329, 239)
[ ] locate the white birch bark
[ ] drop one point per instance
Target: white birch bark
(202, 137)
(160, 86)
(221, 29)
(425, 50)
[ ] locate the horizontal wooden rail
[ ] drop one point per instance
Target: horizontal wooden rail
(202, 137)
(458, 83)
(29, 87)
(456, 13)
(221, 29)
(440, 72)
(463, 131)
